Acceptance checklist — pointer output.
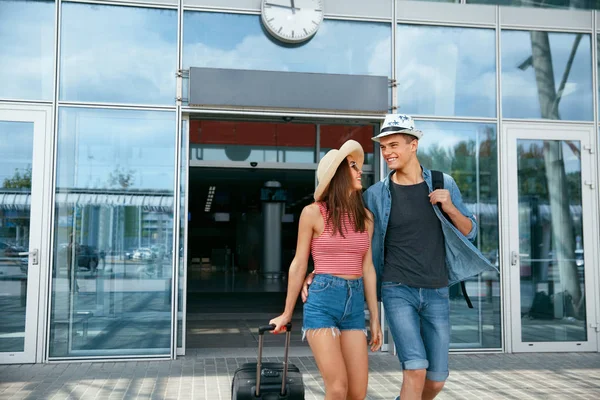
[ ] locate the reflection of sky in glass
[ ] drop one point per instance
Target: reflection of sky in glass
(570, 160)
(565, 4)
(16, 148)
(446, 71)
(93, 144)
(26, 49)
(238, 41)
(520, 95)
(118, 54)
(448, 134)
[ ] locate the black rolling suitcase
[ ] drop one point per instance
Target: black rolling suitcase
(268, 381)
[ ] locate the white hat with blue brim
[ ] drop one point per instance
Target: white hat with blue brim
(398, 123)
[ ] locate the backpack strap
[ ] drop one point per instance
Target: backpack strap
(437, 180)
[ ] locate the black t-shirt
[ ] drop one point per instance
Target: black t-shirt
(414, 242)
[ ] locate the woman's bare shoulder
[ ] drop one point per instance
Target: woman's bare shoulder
(312, 210)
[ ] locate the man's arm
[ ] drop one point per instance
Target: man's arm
(453, 206)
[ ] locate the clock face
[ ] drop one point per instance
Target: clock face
(292, 21)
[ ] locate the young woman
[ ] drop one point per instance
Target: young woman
(337, 228)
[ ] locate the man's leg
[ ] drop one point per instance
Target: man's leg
(401, 308)
(435, 320)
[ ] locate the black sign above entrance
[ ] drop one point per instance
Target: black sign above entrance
(288, 90)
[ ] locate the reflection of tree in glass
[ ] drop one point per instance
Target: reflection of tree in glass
(19, 181)
(476, 175)
(121, 177)
(563, 238)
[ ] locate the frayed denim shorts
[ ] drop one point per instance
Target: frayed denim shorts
(335, 303)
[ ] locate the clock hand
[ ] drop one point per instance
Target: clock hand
(293, 7)
(282, 6)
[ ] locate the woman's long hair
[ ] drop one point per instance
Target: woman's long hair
(338, 202)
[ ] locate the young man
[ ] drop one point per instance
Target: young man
(417, 254)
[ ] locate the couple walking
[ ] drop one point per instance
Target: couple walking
(401, 242)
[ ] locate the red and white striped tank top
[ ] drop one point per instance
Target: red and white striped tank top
(337, 255)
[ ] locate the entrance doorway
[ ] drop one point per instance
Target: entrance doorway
(23, 134)
(239, 246)
(551, 212)
(248, 184)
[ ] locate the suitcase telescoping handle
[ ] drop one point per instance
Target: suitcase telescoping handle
(261, 334)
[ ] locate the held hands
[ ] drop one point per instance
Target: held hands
(441, 196)
(305, 286)
(280, 323)
(376, 335)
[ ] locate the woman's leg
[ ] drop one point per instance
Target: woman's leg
(356, 358)
(325, 344)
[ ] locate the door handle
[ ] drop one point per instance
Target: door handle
(514, 257)
(33, 254)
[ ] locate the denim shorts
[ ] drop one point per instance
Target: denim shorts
(419, 320)
(334, 302)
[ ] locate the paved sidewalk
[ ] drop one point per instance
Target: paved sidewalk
(490, 376)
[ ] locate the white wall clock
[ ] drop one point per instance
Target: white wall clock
(292, 21)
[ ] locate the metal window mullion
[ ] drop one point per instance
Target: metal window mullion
(393, 49)
(116, 106)
(52, 214)
(429, 117)
(505, 322)
(125, 3)
(595, 164)
(185, 137)
(176, 202)
(317, 150)
(176, 236)
(449, 24)
(9, 101)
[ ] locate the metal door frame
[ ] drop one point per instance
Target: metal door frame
(317, 119)
(512, 132)
(39, 229)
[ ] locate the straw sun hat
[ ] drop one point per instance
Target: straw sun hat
(332, 160)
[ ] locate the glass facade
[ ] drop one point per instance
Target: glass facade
(26, 49)
(16, 153)
(547, 75)
(555, 4)
(113, 54)
(113, 233)
(115, 204)
(551, 238)
(446, 71)
(237, 41)
(468, 152)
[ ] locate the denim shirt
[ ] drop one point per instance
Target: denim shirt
(463, 259)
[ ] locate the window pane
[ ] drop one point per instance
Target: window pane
(552, 275)
(252, 141)
(113, 228)
(118, 54)
(16, 154)
(546, 75)
(468, 152)
(560, 4)
(26, 49)
(237, 41)
(446, 71)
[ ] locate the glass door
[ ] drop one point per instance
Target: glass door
(552, 214)
(22, 146)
